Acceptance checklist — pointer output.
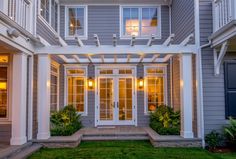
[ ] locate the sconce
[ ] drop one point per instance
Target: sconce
(90, 83)
(140, 83)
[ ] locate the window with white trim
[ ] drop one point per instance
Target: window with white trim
(54, 100)
(76, 21)
(49, 11)
(76, 88)
(4, 111)
(155, 79)
(140, 21)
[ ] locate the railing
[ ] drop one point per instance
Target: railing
(224, 12)
(19, 11)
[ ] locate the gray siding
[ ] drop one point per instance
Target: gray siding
(35, 101)
(182, 19)
(143, 120)
(46, 33)
(213, 86)
(104, 21)
(5, 133)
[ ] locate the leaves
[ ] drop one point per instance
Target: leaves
(165, 121)
(65, 122)
(213, 139)
(230, 131)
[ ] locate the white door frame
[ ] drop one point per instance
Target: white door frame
(116, 77)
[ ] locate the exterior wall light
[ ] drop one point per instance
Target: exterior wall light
(90, 83)
(140, 83)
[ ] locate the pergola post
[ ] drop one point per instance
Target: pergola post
(19, 93)
(43, 97)
(186, 94)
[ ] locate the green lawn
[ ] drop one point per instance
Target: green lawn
(126, 150)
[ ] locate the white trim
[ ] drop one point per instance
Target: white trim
(48, 24)
(9, 88)
(115, 69)
(57, 67)
(30, 97)
(164, 75)
(119, 49)
(140, 7)
(83, 37)
(85, 77)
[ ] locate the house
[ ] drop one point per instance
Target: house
(115, 61)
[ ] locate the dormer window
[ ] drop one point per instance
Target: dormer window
(141, 22)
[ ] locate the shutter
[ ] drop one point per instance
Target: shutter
(230, 89)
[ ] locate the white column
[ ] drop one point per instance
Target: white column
(186, 93)
(43, 97)
(19, 85)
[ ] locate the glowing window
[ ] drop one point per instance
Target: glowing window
(3, 59)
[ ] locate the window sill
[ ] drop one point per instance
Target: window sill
(73, 37)
(139, 37)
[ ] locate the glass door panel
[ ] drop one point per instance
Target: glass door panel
(106, 99)
(125, 99)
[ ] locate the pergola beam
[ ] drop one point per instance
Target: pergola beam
(76, 58)
(96, 39)
(79, 41)
(169, 40)
(102, 58)
(187, 40)
(128, 58)
(90, 58)
(61, 41)
(141, 58)
(121, 49)
(151, 40)
(132, 42)
(155, 57)
(114, 40)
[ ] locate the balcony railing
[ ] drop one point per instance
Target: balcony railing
(19, 11)
(224, 12)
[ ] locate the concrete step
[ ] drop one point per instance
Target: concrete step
(12, 150)
(118, 136)
(25, 153)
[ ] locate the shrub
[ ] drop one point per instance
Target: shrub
(230, 132)
(65, 122)
(165, 121)
(213, 140)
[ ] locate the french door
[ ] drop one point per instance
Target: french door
(115, 100)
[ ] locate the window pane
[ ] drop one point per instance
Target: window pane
(76, 93)
(3, 92)
(155, 89)
(76, 21)
(131, 21)
(75, 72)
(149, 21)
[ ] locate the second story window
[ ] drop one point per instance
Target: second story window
(76, 21)
(140, 21)
(49, 12)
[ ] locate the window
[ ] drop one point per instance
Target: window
(155, 80)
(54, 100)
(49, 11)
(141, 21)
(76, 22)
(44, 11)
(76, 88)
(4, 86)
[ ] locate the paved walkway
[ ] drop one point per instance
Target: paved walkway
(4, 146)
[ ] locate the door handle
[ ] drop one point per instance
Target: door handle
(117, 104)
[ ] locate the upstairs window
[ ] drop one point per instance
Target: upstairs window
(76, 21)
(49, 12)
(141, 22)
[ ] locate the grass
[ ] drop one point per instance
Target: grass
(126, 150)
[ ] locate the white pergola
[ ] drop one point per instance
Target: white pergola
(115, 53)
